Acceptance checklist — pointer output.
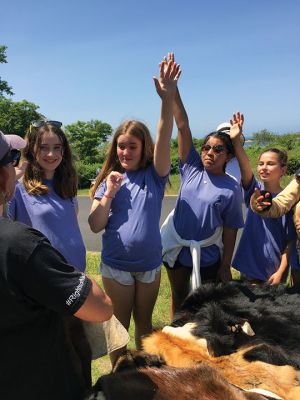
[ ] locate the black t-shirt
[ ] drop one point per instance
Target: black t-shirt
(37, 288)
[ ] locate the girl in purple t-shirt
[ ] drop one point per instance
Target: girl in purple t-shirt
(127, 203)
(45, 198)
(265, 244)
(198, 240)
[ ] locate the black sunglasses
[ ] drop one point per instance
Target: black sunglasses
(42, 122)
(217, 148)
(11, 157)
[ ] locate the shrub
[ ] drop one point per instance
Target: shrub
(292, 166)
(86, 172)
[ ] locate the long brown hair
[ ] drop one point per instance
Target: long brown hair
(65, 175)
(134, 128)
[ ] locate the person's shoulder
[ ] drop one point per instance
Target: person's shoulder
(19, 187)
(231, 182)
(14, 231)
(20, 191)
(193, 160)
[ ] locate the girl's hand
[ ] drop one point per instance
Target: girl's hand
(236, 122)
(169, 73)
(275, 279)
(113, 184)
(260, 201)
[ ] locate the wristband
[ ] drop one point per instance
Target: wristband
(108, 197)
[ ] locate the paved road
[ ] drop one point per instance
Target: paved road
(93, 241)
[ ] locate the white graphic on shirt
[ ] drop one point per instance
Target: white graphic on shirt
(77, 291)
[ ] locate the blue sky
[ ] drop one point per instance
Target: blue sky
(94, 59)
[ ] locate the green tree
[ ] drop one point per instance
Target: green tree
(4, 87)
(198, 143)
(292, 166)
(264, 137)
(88, 139)
(15, 117)
(288, 141)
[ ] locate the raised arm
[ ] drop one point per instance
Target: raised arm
(185, 139)
(182, 122)
(166, 88)
(236, 130)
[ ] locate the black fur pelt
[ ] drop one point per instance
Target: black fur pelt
(272, 311)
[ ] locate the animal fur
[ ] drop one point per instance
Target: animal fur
(143, 376)
(184, 353)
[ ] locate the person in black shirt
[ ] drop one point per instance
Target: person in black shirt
(38, 289)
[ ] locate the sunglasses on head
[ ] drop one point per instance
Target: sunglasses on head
(42, 122)
(217, 148)
(11, 157)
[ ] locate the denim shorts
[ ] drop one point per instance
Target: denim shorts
(128, 278)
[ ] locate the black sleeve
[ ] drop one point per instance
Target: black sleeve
(49, 281)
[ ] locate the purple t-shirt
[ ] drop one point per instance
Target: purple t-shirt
(205, 202)
(55, 217)
(131, 241)
(263, 241)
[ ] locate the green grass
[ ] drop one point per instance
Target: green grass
(83, 192)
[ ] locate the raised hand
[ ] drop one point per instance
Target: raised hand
(236, 122)
(169, 73)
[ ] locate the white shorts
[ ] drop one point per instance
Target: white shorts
(128, 278)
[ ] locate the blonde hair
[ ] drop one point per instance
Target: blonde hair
(136, 129)
(65, 175)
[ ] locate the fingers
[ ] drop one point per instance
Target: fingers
(162, 66)
(237, 118)
(115, 176)
(156, 83)
(175, 71)
(168, 67)
(261, 201)
(171, 57)
(172, 71)
(178, 73)
(257, 192)
(169, 73)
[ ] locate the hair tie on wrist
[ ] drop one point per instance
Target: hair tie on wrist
(108, 197)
